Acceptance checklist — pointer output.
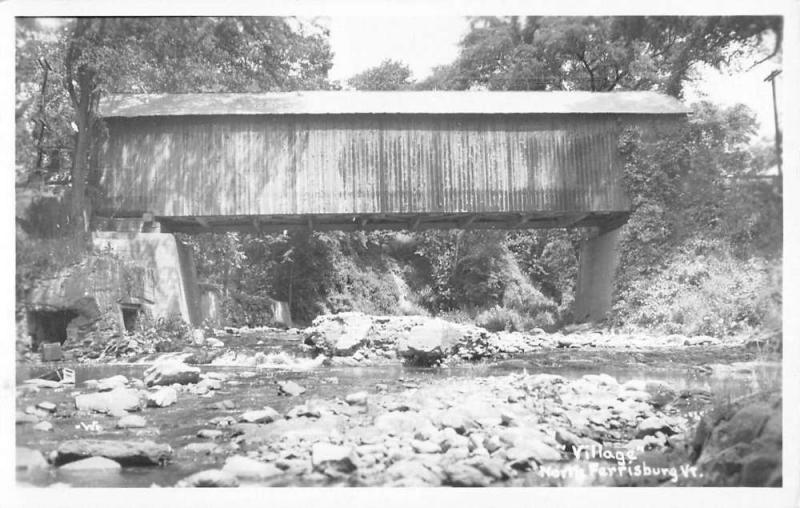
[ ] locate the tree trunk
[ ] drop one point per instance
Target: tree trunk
(80, 164)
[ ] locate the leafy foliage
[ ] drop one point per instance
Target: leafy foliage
(600, 53)
(704, 236)
(93, 56)
(388, 75)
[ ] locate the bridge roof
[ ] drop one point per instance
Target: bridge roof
(439, 103)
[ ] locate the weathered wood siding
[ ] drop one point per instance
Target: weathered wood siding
(314, 164)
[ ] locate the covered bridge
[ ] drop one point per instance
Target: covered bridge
(379, 160)
(347, 160)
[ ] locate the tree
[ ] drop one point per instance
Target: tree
(94, 56)
(388, 75)
(601, 53)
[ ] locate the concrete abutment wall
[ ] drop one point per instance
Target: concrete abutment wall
(171, 282)
(599, 258)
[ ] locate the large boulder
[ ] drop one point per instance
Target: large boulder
(741, 443)
(116, 401)
(92, 464)
(167, 372)
(339, 334)
(127, 453)
(429, 342)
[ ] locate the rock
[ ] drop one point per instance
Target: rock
(451, 439)
(492, 468)
(47, 406)
(396, 423)
(131, 422)
(223, 421)
(661, 394)
(163, 397)
(509, 419)
(515, 396)
(208, 384)
(202, 448)
(226, 404)
(22, 418)
(411, 473)
(265, 415)
(290, 388)
(215, 343)
(170, 371)
(112, 402)
(741, 444)
(304, 410)
(326, 457)
(111, 383)
(29, 459)
(570, 441)
(127, 453)
(209, 433)
(38, 413)
(43, 383)
(463, 475)
(357, 399)
(209, 478)
(198, 337)
(341, 334)
(92, 464)
(521, 455)
(457, 420)
(702, 340)
(295, 429)
(246, 468)
(649, 427)
(43, 426)
(493, 443)
(425, 446)
(429, 342)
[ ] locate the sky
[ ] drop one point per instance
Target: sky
(424, 42)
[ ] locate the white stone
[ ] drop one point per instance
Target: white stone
(357, 399)
(246, 468)
(265, 415)
(92, 464)
(163, 397)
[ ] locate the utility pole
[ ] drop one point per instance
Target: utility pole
(778, 136)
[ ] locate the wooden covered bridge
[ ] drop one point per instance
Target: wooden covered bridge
(379, 160)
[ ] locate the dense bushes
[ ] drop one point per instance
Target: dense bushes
(315, 272)
(40, 258)
(701, 252)
(523, 279)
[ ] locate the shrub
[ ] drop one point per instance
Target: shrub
(713, 293)
(500, 318)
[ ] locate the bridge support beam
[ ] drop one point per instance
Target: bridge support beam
(598, 262)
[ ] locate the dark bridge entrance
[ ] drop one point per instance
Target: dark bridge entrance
(379, 160)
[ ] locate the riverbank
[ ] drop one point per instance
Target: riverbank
(359, 400)
(337, 426)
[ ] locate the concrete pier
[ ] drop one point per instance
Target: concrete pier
(599, 258)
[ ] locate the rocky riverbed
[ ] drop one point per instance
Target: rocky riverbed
(362, 401)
